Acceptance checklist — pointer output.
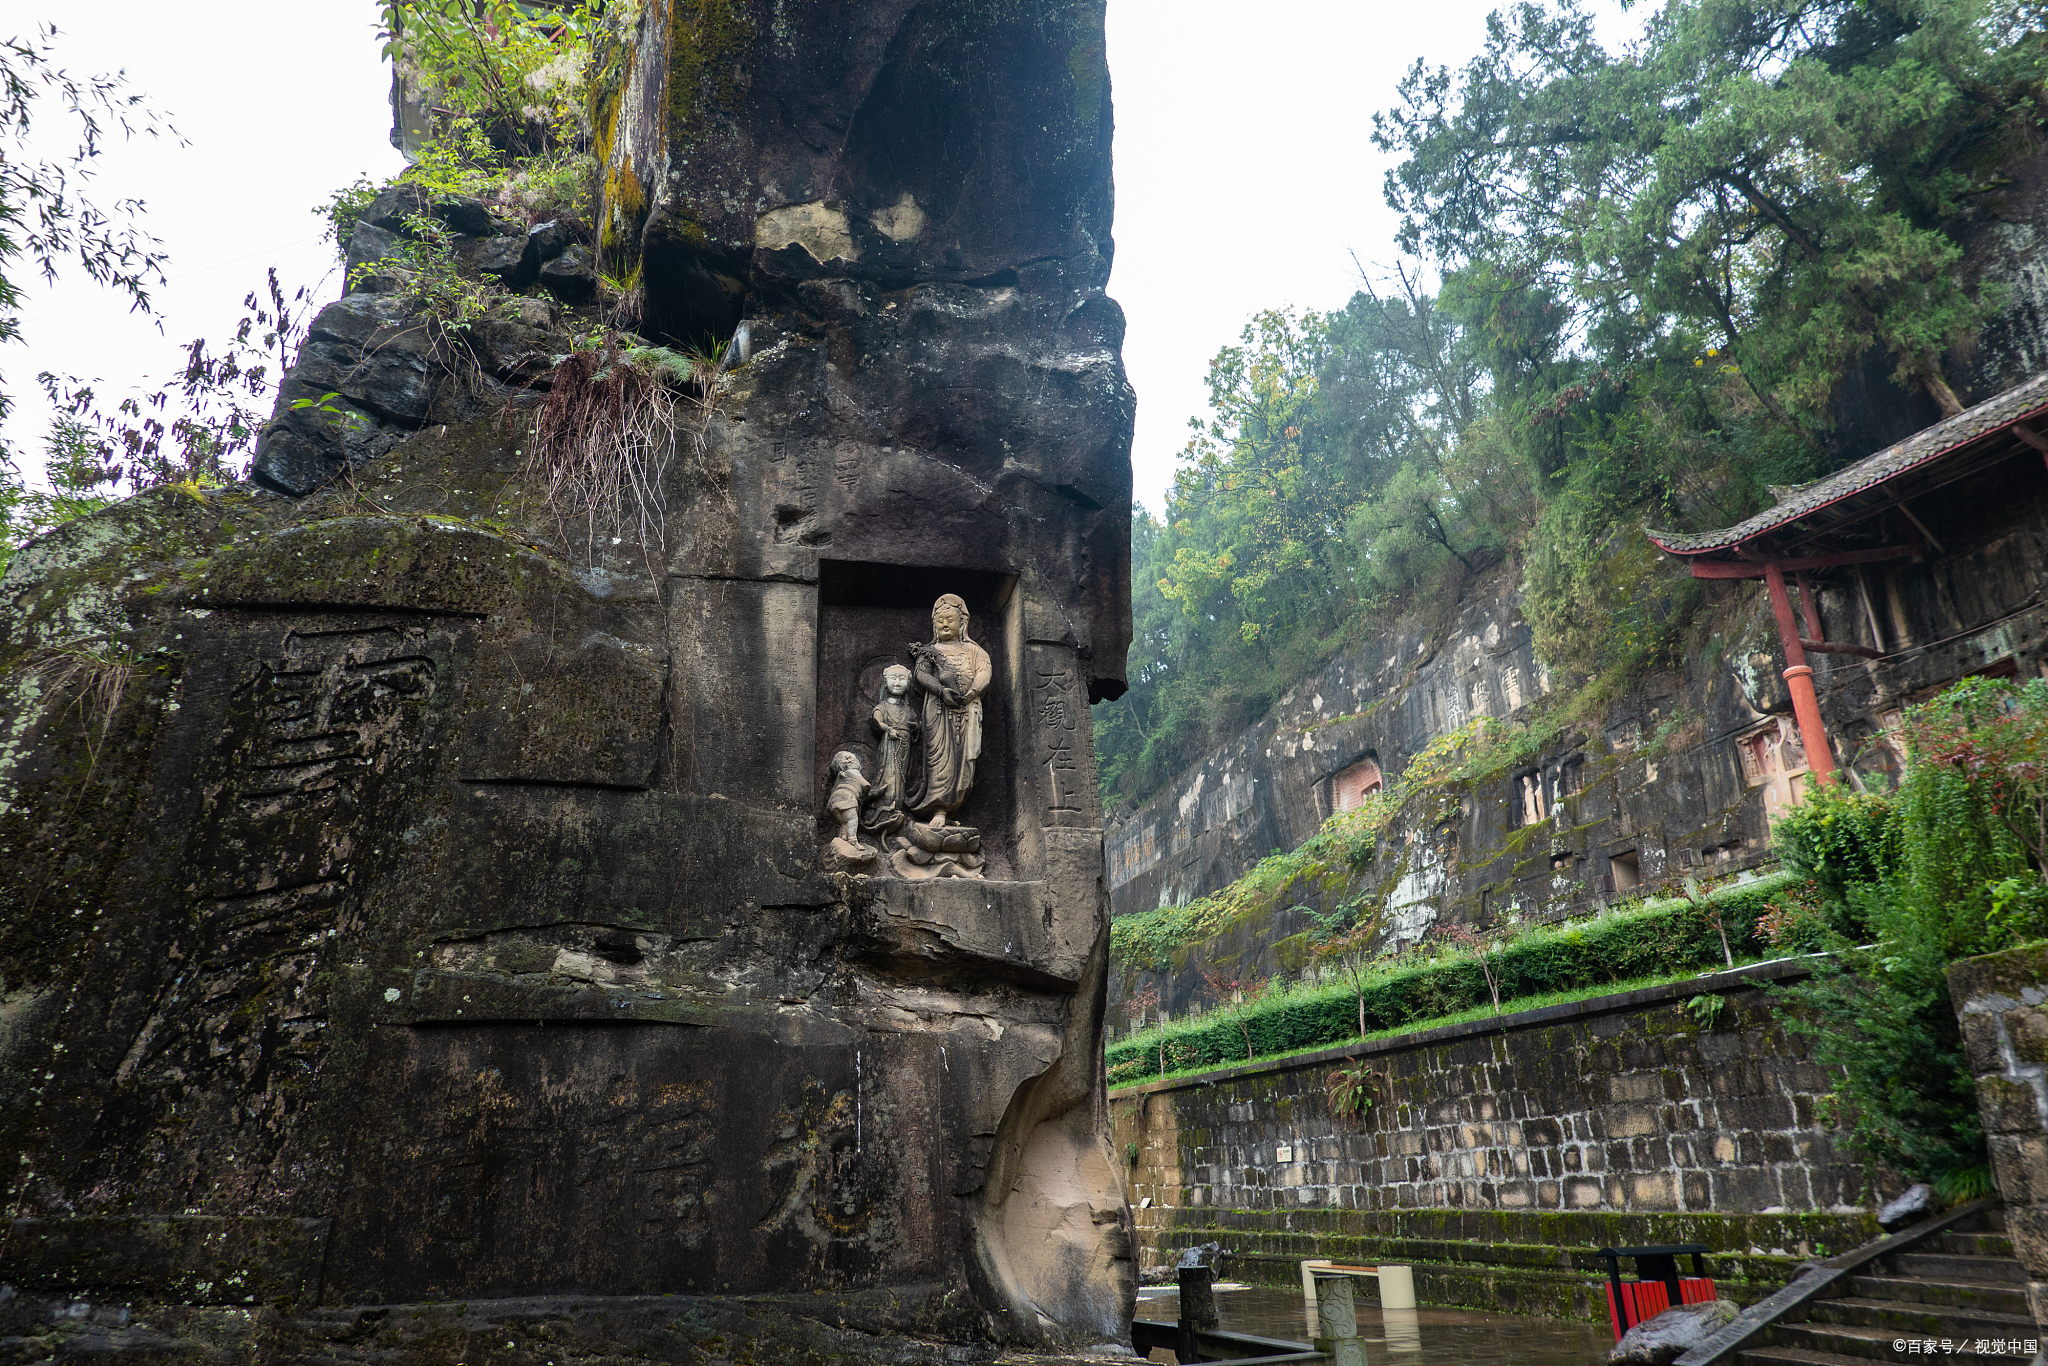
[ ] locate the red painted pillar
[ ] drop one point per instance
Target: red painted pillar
(1820, 760)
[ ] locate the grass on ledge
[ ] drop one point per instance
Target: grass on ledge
(1480, 1012)
(1652, 942)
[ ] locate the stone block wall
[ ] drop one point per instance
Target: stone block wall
(1641, 1108)
(2001, 999)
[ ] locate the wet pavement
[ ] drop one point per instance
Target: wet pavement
(1404, 1337)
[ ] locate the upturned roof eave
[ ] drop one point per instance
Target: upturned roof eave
(1917, 452)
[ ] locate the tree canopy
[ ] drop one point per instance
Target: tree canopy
(1658, 267)
(47, 215)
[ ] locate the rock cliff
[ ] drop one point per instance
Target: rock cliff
(411, 892)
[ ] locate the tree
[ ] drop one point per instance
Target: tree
(201, 421)
(1348, 941)
(46, 214)
(1776, 178)
(76, 465)
(1325, 485)
(1269, 502)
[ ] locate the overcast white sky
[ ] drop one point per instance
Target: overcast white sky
(1244, 173)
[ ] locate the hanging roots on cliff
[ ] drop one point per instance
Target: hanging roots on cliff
(604, 437)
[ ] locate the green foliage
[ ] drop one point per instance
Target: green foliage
(1351, 1090)
(1958, 1184)
(1883, 1016)
(45, 214)
(75, 466)
(200, 422)
(1706, 1009)
(344, 208)
(517, 72)
(1950, 866)
(1774, 176)
(1839, 839)
(1654, 940)
(436, 289)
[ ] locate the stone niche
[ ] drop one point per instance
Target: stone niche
(868, 616)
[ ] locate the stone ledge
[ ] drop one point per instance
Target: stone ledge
(1725, 1234)
(196, 1259)
(1776, 969)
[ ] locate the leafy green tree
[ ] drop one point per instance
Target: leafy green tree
(1773, 178)
(1324, 485)
(77, 464)
(46, 215)
(517, 71)
(1256, 511)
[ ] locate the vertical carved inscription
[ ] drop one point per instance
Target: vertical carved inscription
(1056, 711)
(237, 1025)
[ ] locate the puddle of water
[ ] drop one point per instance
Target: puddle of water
(1403, 1337)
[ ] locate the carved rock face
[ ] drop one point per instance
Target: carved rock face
(443, 910)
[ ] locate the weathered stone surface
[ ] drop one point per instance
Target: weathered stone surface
(570, 277)
(1999, 999)
(915, 252)
(878, 141)
(446, 885)
(1674, 1332)
(498, 258)
(368, 245)
(391, 206)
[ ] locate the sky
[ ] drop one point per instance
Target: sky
(1245, 174)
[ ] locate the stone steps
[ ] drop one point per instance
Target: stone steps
(1973, 1244)
(1951, 1266)
(1794, 1356)
(1911, 1319)
(1961, 1285)
(2000, 1297)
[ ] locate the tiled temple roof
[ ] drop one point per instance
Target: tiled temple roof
(1922, 449)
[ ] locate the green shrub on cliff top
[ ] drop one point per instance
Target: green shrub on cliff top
(1652, 941)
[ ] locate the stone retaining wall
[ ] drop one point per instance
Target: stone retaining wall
(2002, 1001)
(1553, 1128)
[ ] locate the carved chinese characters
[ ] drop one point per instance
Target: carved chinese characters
(1058, 707)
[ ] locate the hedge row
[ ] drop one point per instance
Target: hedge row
(1656, 939)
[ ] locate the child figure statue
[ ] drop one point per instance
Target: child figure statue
(895, 717)
(849, 785)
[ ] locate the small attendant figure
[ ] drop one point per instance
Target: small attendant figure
(843, 802)
(896, 719)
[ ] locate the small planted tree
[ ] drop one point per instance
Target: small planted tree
(1481, 946)
(1347, 942)
(1228, 989)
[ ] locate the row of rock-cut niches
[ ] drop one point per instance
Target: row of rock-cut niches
(927, 725)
